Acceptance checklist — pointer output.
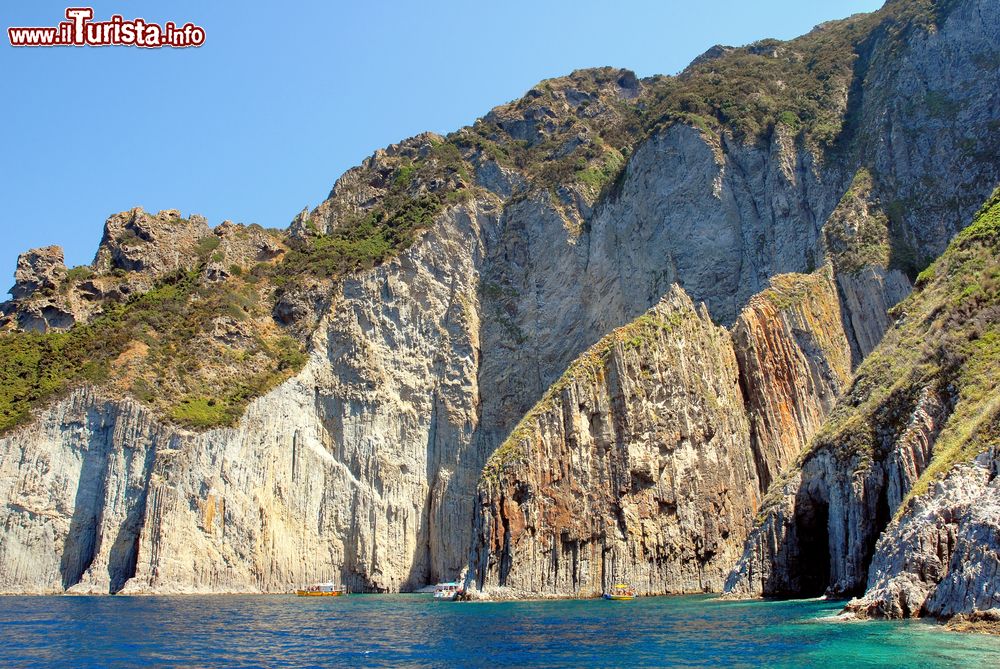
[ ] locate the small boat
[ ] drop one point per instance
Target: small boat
(620, 592)
(322, 590)
(447, 592)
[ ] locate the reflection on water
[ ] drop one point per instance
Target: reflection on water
(413, 630)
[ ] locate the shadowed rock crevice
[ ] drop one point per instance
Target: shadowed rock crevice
(82, 537)
(124, 554)
(812, 530)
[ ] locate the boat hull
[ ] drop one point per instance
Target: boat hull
(309, 593)
(620, 598)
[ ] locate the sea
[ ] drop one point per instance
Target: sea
(416, 631)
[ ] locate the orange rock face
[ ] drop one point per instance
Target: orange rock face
(647, 461)
(795, 360)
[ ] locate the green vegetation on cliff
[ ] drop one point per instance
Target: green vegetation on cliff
(857, 233)
(161, 347)
(416, 192)
(946, 341)
(364, 243)
(801, 84)
(198, 348)
(170, 349)
(581, 129)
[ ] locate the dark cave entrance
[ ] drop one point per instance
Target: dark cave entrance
(812, 528)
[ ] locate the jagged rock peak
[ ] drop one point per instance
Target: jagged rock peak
(711, 53)
(240, 248)
(40, 269)
(555, 105)
(38, 304)
(137, 241)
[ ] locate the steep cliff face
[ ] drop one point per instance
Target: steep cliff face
(77, 487)
(820, 520)
(794, 360)
(896, 495)
(858, 238)
(680, 213)
(447, 283)
(927, 106)
(635, 465)
(647, 460)
(339, 472)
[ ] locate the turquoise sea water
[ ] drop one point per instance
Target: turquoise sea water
(413, 630)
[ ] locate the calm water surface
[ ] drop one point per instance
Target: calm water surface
(413, 630)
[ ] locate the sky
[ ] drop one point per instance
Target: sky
(283, 97)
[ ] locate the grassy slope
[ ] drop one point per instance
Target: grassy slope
(947, 338)
(156, 347)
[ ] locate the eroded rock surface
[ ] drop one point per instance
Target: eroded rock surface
(895, 501)
(365, 465)
(647, 461)
(634, 466)
(941, 557)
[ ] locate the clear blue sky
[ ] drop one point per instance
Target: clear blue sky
(283, 97)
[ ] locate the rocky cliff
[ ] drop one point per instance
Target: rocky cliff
(634, 465)
(795, 359)
(325, 476)
(896, 498)
(242, 409)
(648, 459)
(942, 557)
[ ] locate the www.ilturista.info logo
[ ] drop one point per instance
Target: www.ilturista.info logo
(79, 30)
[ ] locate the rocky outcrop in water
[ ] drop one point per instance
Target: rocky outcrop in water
(941, 557)
(821, 520)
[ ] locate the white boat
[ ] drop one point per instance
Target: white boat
(447, 592)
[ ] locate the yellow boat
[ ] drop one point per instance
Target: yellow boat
(322, 590)
(620, 592)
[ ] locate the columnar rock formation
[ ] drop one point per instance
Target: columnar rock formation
(551, 222)
(821, 522)
(648, 459)
(633, 466)
(325, 476)
(795, 360)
